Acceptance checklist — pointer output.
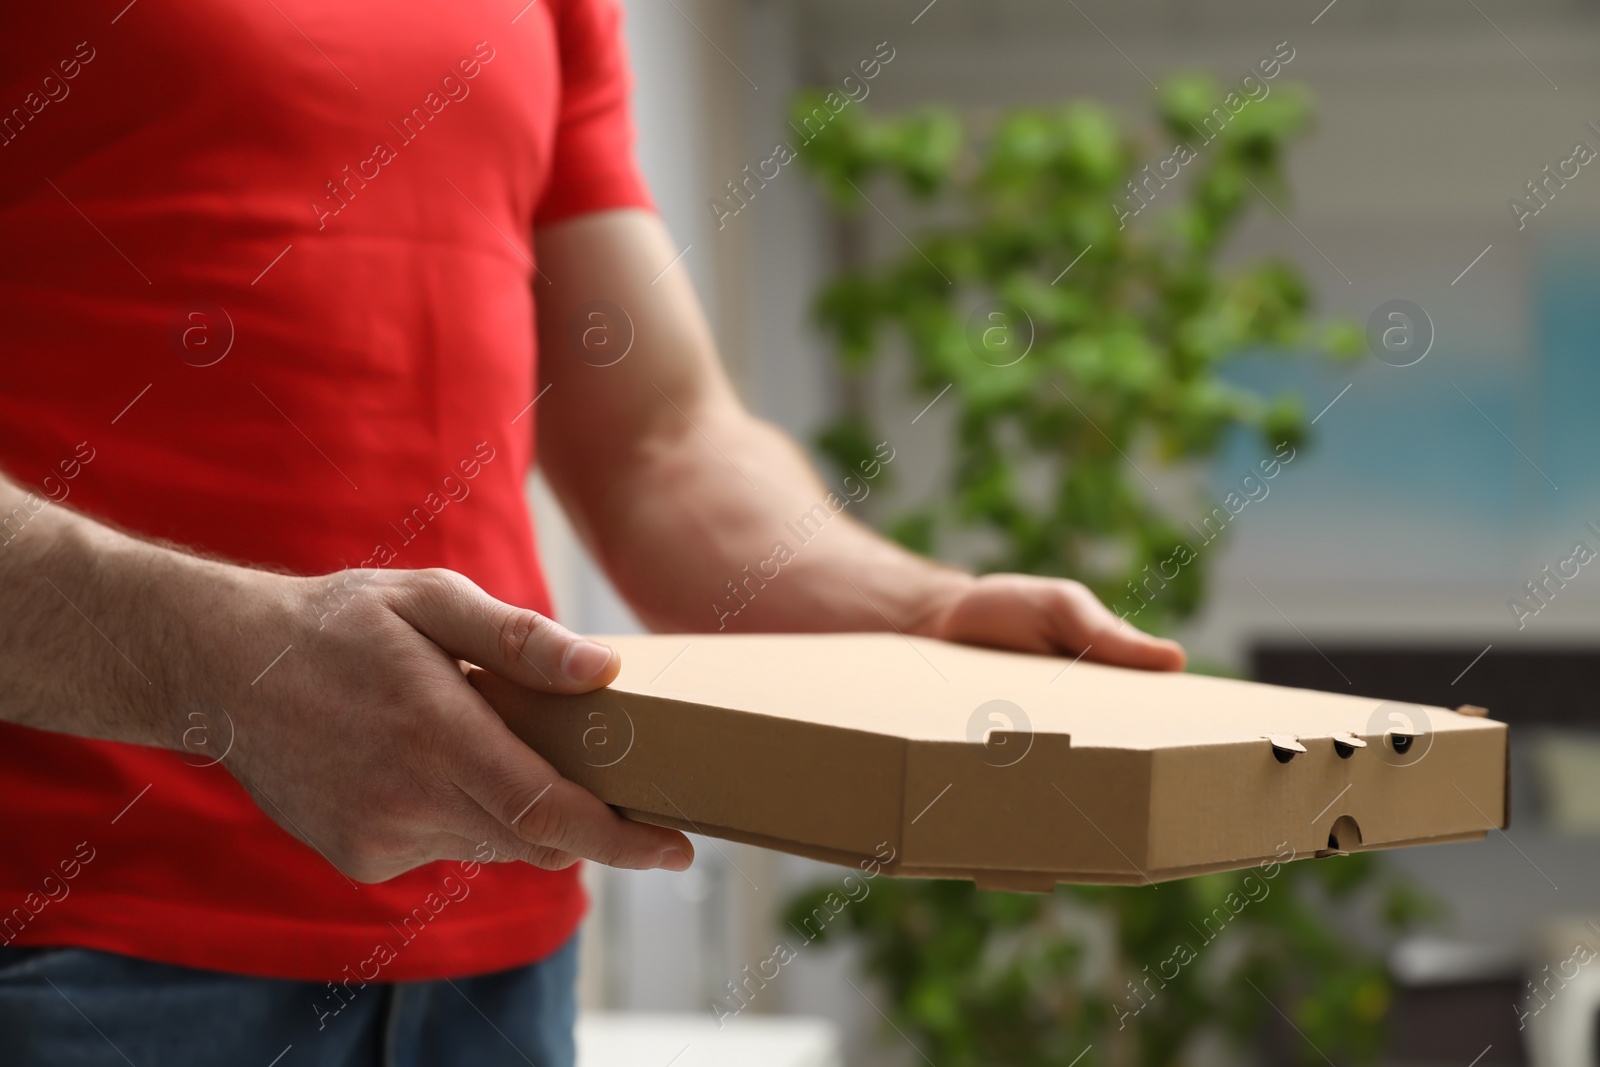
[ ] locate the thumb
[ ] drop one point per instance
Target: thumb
(520, 645)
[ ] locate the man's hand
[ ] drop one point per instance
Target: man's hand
(367, 742)
(1049, 615)
(708, 519)
(362, 736)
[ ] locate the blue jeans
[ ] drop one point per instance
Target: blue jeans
(81, 1007)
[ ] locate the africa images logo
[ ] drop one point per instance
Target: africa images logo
(1002, 732)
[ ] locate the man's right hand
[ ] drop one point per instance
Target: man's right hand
(363, 738)
(368, 743)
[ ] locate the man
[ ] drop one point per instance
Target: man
(269, 284)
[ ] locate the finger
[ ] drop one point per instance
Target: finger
(515, 643)
(471, 834)
(543, 810)
(1090, 628)
(483, 840)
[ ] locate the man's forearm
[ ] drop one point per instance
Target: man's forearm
(773, 547)
(703, 516)
(90, 643)
(367, 742)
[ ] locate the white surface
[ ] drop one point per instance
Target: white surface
(1563, 1034)
(629, 1040)
(1427, 960)
(1562, 995)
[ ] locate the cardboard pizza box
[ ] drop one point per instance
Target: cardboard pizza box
(1015, 771)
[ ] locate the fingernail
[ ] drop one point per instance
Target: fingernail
(585, 660)
(674, 859)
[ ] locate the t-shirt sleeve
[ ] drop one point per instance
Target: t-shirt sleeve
(593, 166)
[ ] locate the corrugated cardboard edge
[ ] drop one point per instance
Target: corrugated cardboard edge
(1095, 801)
(1506, 810)
(840, 857)
(1477, 712)
(894, 815)
(557, 728)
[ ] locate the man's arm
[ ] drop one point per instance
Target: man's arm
(678, 489)
(363, 738)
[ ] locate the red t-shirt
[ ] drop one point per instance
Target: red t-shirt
(266, 289)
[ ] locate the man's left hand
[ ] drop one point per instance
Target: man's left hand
(1055, 616)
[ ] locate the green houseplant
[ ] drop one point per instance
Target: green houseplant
(1071, 313)
(1075, 248)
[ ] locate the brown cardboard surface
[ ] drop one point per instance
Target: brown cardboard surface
(1014, 770)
